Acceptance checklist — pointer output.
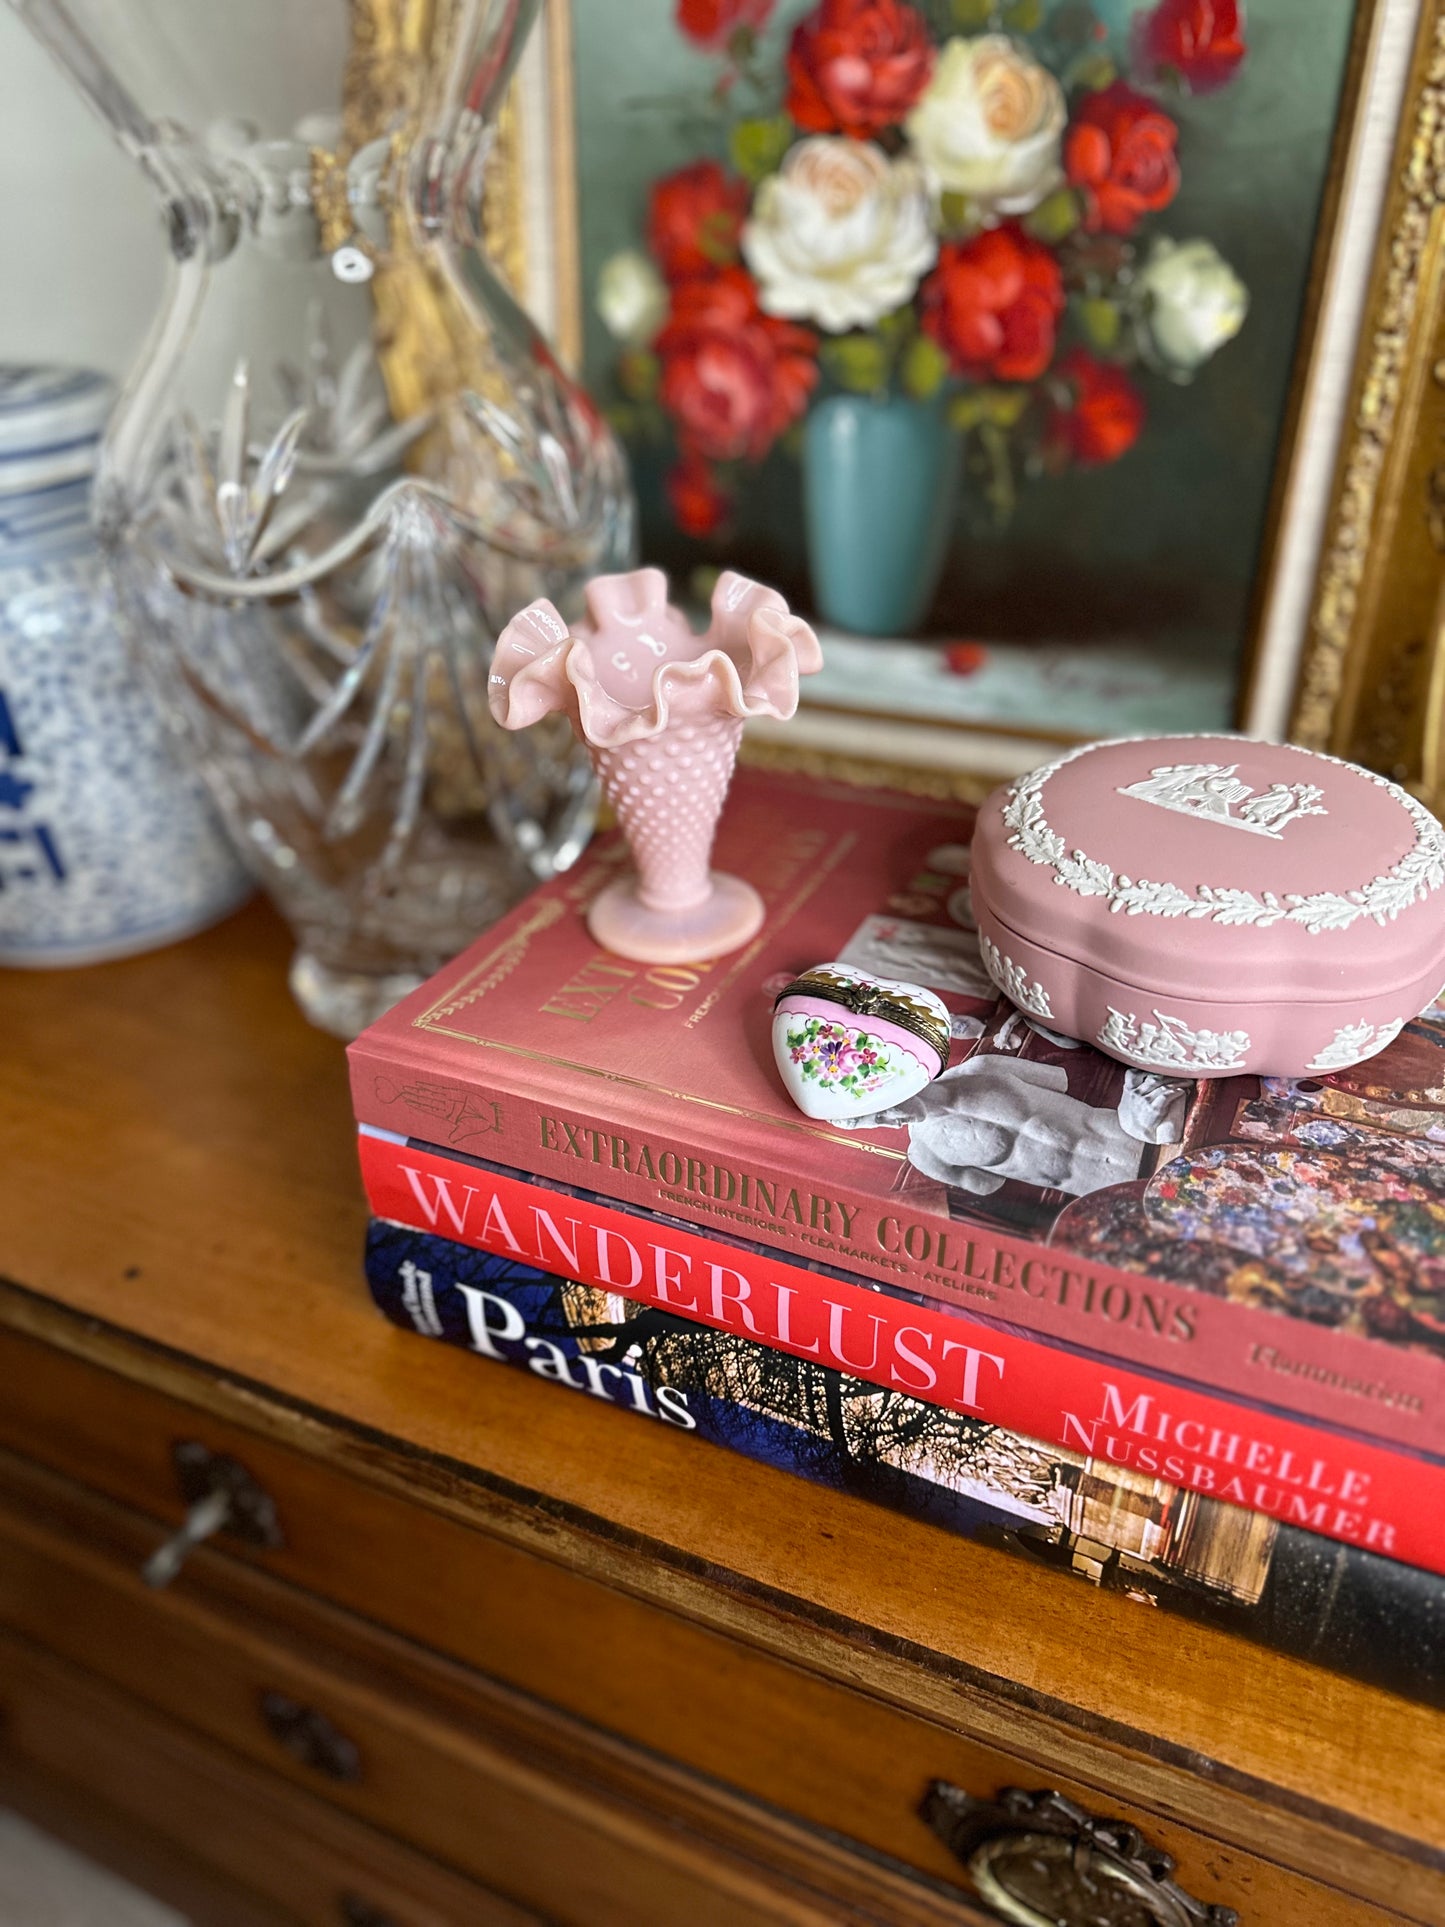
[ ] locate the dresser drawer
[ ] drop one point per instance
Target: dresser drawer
(164, 1869)
(302, 1861)
(808, 1745)
(493, 1783)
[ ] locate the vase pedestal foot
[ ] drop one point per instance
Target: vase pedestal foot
(344, 1002)
(724, 920)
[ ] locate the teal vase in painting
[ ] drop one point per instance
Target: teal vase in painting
(879, 480)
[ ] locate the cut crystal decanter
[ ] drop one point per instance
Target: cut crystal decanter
(345, 458)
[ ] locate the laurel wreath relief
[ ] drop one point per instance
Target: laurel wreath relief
(1419, 871)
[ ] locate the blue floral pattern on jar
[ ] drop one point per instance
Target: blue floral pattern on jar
(106, 845)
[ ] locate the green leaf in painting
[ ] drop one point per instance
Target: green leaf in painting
(1055, 218)
(1094, 71)
(1023, 16)
(893, 327)
(717, 238)
(972, 15)
(995, 409)
(638, 374)
(924, 367)
(1100, 321)
(1000, 488)
(956, 214)
(1004, 406)
(856, 362)
(758, 146)
(701, 582)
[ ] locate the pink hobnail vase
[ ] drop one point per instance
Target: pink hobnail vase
(661, 710)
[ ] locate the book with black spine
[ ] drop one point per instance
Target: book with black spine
(1286, 1588)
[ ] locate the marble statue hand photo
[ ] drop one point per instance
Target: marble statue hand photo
(992, 1118)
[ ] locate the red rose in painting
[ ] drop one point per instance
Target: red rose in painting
(1120, 154)
(699, 506)
(712, 23)
(993, 305)
(733, 378)
(1202, 40)
(857, 66)
(1106, 414)
(694, 218)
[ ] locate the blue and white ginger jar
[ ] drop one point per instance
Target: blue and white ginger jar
(107, 846)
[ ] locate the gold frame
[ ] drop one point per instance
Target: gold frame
(1360, 670)
(1372, 674)
(536, 147)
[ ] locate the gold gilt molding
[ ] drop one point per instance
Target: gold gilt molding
(1368, 659)
(504, 221)
(833, 766)
(538, 249)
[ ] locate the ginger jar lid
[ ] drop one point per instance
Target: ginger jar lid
(1216, 867)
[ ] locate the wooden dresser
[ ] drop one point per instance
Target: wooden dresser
(472, 1649)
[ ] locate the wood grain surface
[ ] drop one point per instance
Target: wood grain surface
(179, 1202)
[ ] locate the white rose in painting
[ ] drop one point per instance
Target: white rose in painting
(1192, 302)
(840, 235)
(988, 125)
(631, 298)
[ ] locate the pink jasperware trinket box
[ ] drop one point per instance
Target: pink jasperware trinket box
(1206, 905)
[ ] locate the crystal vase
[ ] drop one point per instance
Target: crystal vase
(345, 458)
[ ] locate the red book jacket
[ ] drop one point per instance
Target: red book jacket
(1283, 1241)
(1342, 1486)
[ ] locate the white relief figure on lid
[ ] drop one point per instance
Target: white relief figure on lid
(1215, 792)
(1414, 877)
(1281, 803)
(1167, 1040)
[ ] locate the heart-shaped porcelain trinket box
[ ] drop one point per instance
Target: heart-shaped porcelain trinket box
(848, 1044)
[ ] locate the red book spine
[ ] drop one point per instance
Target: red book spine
(1343, 1488)
(680, 1161)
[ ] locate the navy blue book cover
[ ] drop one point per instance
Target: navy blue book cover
(1336, 1605)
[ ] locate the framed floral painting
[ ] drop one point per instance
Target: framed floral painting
(1012, 338)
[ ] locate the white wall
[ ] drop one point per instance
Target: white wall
(82, 255)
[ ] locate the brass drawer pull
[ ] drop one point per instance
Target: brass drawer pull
(222, 1497)
(311, 1738)
(1037, 1860)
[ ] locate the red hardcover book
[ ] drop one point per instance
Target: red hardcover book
(1348, 1488)
(1122, 1531)
(1284, 1242)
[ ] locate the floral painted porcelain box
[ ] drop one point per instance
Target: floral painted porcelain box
(1209, 904)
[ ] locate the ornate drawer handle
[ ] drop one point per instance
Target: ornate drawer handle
(1039, 1861)
(311, 1738)
(222, 1496)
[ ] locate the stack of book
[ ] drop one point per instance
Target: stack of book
(1180, 1339)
